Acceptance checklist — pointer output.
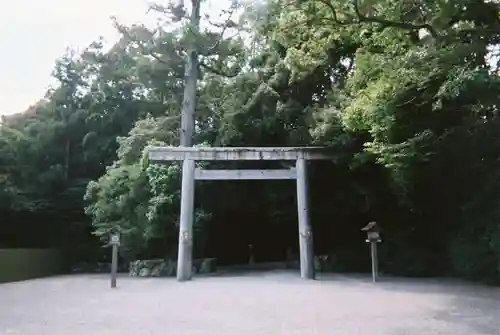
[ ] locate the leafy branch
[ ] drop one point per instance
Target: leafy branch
(218, 71)
(228, 24)
(125, 31)
(362, 18)
(176, 12)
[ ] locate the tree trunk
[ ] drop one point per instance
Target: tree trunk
(185, 255)
(191, 79)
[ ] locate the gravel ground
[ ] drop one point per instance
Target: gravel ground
(272, 302)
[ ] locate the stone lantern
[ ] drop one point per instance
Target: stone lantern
(373, 237)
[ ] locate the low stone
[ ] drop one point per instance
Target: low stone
(168, 268)
(133, 269)
(324, 263)
(157, 270)
(208, 265)
(144, 272)
(144, 268)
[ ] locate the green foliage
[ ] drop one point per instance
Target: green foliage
(413, 121)
(118, 205)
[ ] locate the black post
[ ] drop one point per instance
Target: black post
(115, 242)
(373, 248)
(114, 265)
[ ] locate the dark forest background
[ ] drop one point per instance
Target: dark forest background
(405, 93)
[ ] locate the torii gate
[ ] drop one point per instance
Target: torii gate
(189, 155)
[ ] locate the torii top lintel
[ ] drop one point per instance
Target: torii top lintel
(163, 154)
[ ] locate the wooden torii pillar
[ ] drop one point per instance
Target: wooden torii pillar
(189, 155)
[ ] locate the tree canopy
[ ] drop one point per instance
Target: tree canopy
(405, 92)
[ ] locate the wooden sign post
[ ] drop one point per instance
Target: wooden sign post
(115, 242)
(373, 237)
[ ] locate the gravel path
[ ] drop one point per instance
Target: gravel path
(271, 303)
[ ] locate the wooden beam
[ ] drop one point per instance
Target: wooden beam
(201, 174)
(163, 154)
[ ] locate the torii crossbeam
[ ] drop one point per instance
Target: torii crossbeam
(189, 155)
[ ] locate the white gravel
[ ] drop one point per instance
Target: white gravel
(272, 302)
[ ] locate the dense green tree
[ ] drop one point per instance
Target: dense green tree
(404, 92)
(423, 103)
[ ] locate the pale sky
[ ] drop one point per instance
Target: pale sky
(35, 33)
